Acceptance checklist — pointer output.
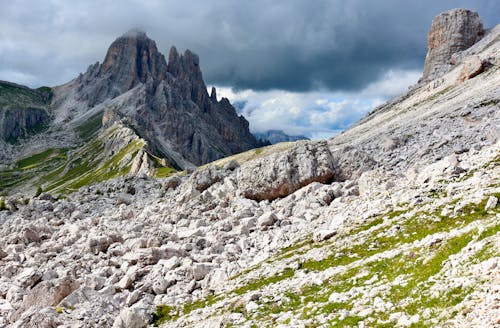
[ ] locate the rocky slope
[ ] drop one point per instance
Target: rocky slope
(395, 222)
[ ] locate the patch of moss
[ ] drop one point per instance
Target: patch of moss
(201, 303)
(163, 314)
(260, 283)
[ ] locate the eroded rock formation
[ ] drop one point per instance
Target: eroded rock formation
(450, 32)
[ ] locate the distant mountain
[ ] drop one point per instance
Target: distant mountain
(276, 136)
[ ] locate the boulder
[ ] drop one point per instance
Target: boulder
(267, 219)
(281, 174)
(200, 270)
(136, 317)
(204, 178)
(450, 32)
(472, 67)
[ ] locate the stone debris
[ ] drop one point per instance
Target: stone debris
(241, 245)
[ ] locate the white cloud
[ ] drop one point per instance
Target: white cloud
(318, 114)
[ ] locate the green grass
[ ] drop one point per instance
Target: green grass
(32, 167)
(90, 127)
(36, 159)
(55, 172)
(256, 284)
(201, 303)
(163, 314)
(163, 172)
(13, 96)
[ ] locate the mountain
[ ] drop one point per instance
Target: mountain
(91, 124)
(276, 136)
(392, 223)
(167, 104)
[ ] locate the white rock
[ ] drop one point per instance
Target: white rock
(491, 203)
(132, 317)
(128, 279)
(251, 306)
(337, 298)
(200, 270)
(323, 234)
(267, 219)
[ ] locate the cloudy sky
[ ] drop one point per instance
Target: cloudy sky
(307, 67)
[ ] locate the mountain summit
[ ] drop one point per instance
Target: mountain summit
(166, 104)
(451, 32)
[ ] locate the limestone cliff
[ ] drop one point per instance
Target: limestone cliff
(451, 32)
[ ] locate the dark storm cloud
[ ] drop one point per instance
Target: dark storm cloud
(289, 45)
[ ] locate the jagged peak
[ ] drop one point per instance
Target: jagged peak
(187, 64)
(213, 94)
(190, 58)
(173, 55)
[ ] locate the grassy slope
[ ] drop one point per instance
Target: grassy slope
(62, 171)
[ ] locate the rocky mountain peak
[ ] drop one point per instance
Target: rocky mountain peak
(133, 58)
(186, 66)
(167, 103)
(213, 94)
(451, 32)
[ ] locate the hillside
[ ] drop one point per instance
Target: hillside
(392, 223)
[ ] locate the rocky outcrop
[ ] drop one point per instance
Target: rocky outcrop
(451, 32)
(23, 111)
(18, 123)
(283, 173)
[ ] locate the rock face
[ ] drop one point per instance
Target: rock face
(167, 104)
(450, 32)
(131, 59)
(22, 111)
(17, 123)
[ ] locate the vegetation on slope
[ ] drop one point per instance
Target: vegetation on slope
(16, 96)
(400, 268)
(62, 171)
